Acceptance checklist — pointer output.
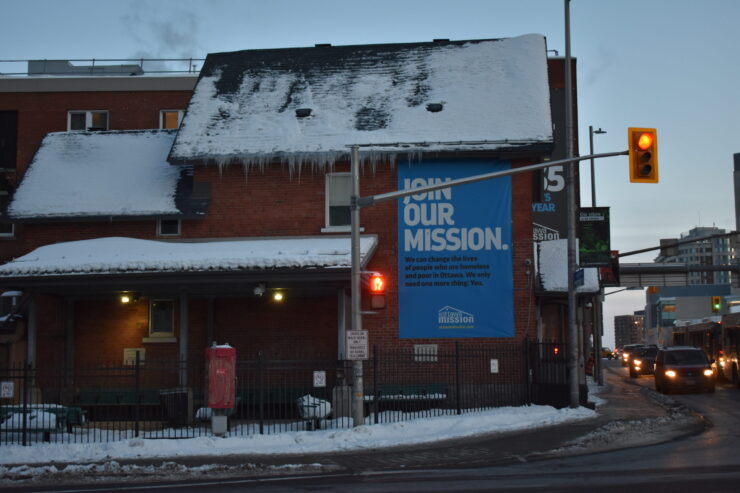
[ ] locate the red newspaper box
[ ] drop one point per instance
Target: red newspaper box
(221, 364)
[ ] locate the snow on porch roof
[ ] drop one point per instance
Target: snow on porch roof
(244, 108)
(130, 255)
(83, 174)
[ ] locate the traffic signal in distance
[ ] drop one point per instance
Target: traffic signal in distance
(716, 303)
(643, 154)
(375, 285)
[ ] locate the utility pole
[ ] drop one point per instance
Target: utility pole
(574, 356)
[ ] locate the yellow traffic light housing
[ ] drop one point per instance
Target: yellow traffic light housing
(716, 303)
(643, 154)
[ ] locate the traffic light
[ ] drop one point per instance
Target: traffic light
(643, 153)
(375, 285)
(716, 303)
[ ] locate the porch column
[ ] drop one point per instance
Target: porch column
(210, 321)
(69, 341)
(183, 339)
(31, 332)
(343, 320)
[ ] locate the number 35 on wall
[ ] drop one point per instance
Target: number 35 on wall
(553, 179)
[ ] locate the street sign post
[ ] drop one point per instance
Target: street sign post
(357, 345)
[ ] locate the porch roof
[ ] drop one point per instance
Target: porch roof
(110, 257)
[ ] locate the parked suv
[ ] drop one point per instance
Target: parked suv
(683, 368)
(642, 361)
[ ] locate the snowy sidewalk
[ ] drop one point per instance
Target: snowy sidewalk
(368, 437)
(499, 436)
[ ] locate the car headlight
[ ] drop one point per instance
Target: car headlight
(708, 372)
(638, 362)
(670, 374)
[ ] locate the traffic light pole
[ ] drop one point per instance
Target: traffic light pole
(358, 392)
(357, 202)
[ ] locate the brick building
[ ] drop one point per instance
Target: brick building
(256, 182)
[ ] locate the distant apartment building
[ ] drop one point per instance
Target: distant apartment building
(628, 329)
(712, 251)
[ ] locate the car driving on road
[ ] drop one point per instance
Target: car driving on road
(642, 361)
(627, 351)
(683, 368)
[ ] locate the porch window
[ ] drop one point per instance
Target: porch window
(169, 119)
(338, 193)
(161, 318)
(87, 120)
(168, 227)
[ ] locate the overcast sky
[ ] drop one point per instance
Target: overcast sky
(669, 64)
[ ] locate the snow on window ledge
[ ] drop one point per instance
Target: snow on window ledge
(339, 229)
(156, 340)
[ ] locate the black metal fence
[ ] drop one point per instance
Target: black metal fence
(160, 399)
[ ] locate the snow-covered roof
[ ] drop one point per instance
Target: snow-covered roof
(83, 174)
(492, 92)
(130, 255)
(552, 268)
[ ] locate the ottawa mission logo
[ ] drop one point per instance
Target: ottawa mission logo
(454, 318)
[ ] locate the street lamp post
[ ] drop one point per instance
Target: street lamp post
(591, 133)
(596, 311)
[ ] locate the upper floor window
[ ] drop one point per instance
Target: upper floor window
(170, 118)
(338, 194)
(87, 120)
(7, 230)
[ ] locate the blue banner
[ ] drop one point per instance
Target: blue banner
(455, 275)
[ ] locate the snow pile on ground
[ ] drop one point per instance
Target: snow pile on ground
(111, 470)
(634, 432)
(358, 438)
(594, 392)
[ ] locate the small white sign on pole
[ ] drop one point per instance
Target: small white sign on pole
(494, 366)
(357, 345)
(6, 390)
(319, 378)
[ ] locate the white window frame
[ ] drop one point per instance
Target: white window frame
(180, 114)
(88, 119)
(159, 227)
(328, 227)
(8, 234)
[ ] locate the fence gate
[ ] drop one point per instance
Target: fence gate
(548, 373)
